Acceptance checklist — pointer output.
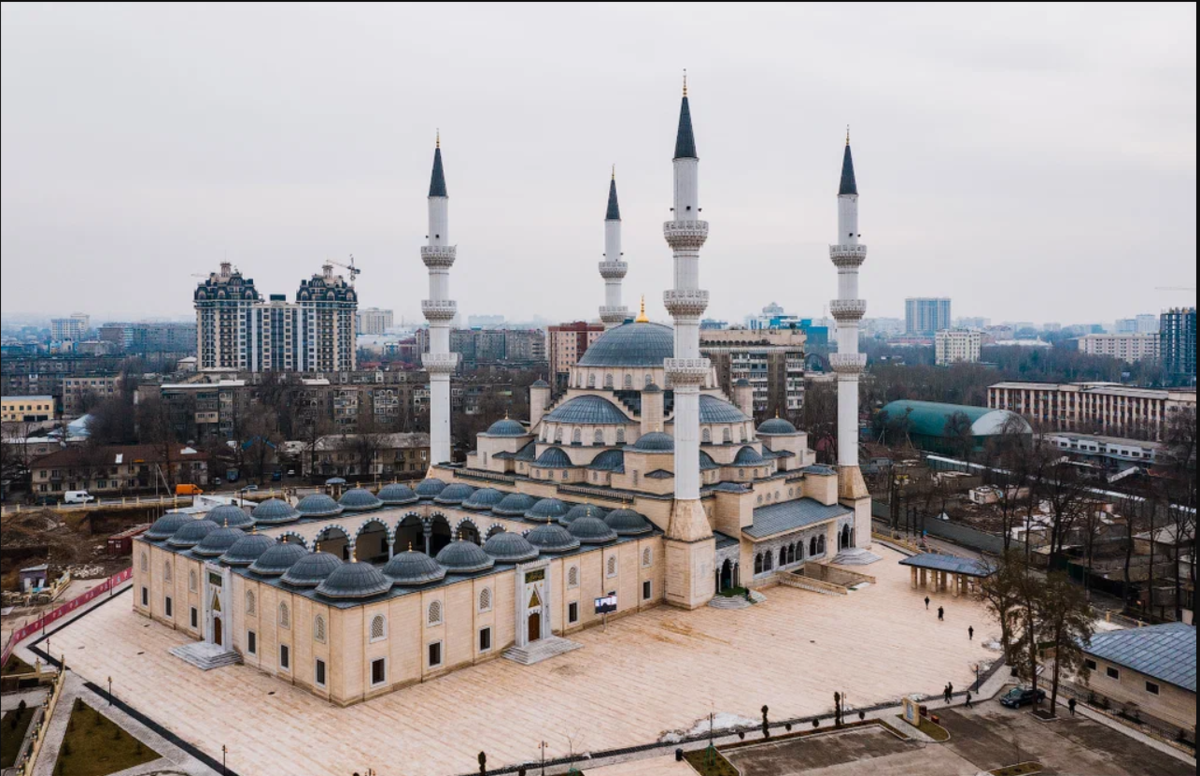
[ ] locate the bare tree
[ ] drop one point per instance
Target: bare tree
(1001, 591)
(154, 428)
(1068, 622)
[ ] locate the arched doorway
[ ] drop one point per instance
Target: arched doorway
(334, 541)
(440, 534)
(727, 580)
(371, 544)
(844, 540)
(410, 535)
(218, 632)
(535, 626)
(468, 532)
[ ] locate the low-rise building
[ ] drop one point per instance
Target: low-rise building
(381, 456)
(118, 469)
(1126, 347)
(1100, 408)
(83, 390)
(957, 346)
(27, 409)
(1152, 670)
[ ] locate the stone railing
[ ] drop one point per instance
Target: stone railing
(848, 309)
(686, 371)
(685, 234)
(438, 255)
(613, 270)
(847, 362)
(848, 256)
(685, 301)
(439, 309)
(439, 362)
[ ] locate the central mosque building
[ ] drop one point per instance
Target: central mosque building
(641, 484)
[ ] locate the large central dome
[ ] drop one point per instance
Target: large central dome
(631, 344)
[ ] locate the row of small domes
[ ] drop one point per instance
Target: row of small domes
(512, 428)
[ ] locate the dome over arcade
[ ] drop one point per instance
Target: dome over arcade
(274, 511)
(747, 456)
(218, 542)
(430, 487)
(354, 582)
(592, 530)
(583, 510)
(311, 570)
(165, 526)
(318, 505)
(515, 505)
(230, 515)
(463, 557)
(397, 494)
(608, 461)
(278, 559)
(414, 568)
(714, 409)
(546, 509)
(247, 549)
(456, 493)
(655, 442)
(631, 344)
(588, 410)
(484, 498)
(552, 537)
(626, 522)
(508, 547)
(506, 428)
(776, 427)
(191, 533)
(554, 458)
(359, 500)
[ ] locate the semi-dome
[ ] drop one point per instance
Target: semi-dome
(546, 509)
(165, 526)
(592, 530)
(552, 537)
(608, 461)
(278, 559)
(484, 498)
(588, 410)
(540, 383)
(311, 570)
(655, 442)
(247, 549)
(510, 547)
(318, 505)
(514, 504)
(463, 557)
(413, 568)
(652, 388)
(747, 456)
(456, 493)
(218, 542)
(274, 511)
(230, 515)
(776, 427)
(582, 510)
(354, 582)
(506, 428)
(554, 458)
(626, 522)
(631, 344)
(397, 494)
(430, 487)
(359, 500)
(707, 463)
(714, 409)
(190, 534)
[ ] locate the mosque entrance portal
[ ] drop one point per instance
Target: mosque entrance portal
(218, 632)
(535, 626)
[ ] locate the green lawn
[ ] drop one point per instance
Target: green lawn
(15, 665)
(12, 733)
(734, 592)
(95, 746)
(720, 767)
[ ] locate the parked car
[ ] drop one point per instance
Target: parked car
(78, 497)
(45, 501)
(187, 489)
(1021, 696)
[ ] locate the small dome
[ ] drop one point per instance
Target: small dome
(230, 515)
(552, 537)
(777, 426)
(218, 542)
(588, 409)
(456, 493)
(189, 535)
(707, 463)
(714, 409)
(747, 456)
(608, 461)
(514, 505)
(247, 549)
(506, 428)
(354, 582)
(359, 500)
(626, 522)
(540, 383)
(655, 442)
(463, 557)
(554, 458)
(396, 494)
(484, 498)
(507, 547)
(413, 568)
(311, 570)
(582, 510)
(318, 505)
(167, 525)
(546, 509)
(592, 530)
(742, 383)
(652, 388)
(278, 559)
(430, 487)
(274, 511)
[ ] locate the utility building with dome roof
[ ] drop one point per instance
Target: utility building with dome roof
(640, 482)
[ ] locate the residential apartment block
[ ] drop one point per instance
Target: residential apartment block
(957, 346)
(1093, 408)
(771, 360)
(566, 343)
(1126, 347)
(924, 316)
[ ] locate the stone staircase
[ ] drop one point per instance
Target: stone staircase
(812, 585)
(729, 602)
(855, 556)
(206, 656)
(542, 649)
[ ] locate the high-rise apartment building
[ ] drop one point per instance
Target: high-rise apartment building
(957, 346)
(771, 360)
(1127, 347)
(924, 316)
(566, 344)
(326, 341)
(373, 320)
(223, 303)
(1177, 344)
(70, 329)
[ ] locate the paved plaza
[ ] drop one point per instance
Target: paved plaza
(651, 673)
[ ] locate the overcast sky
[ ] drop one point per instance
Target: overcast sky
(1032, 162)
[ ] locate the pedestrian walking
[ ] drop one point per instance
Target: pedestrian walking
(968, 699)
(1071, 705)
(926, 603)
(971, 633)
(949, 692)
(941, 614)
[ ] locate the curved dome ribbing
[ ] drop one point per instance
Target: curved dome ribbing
(414, 568)
(218, 542)
(714, 409)
(165, 526)
(552, 537)
(247, 549)
(626, 522)
(397, 494)
(454, 494)
(554, 458)
(484, 498)
(506, 428)
(278, 559)
(655, 442)
(631, 344)
(582, 510)
(230, 515)
(359, 500)
(508, 547)
(189, 535)
(354, 582)
(273, 511)
(546, 509)
(747, 456)
(588, 410)
(430, 487)
(776, 426)
(318, 505)
(463, 557)
(592, 530)
(514, 505)
(311, 570)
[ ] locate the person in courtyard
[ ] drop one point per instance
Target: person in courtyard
(971, 633)
(968, 699)
(926, 603)
(1071, 705)
(941, 614)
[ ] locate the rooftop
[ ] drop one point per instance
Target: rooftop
(1163, 652)
(790, 516)
(950, 563)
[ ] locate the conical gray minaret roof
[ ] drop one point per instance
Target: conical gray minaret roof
(437, 183)
(685, 141)
(848, 185)
(614, 212)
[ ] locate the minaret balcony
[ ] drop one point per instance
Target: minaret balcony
(439, 256)
(848, 310)
(439, 363)
(687, 371)
(685, 235)
(847, 255)
(613, 270)
(685, 302)
(439, 309)
(614, 314)
(847, 363)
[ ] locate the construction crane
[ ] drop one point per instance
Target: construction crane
(353, 270)
(1174, 288)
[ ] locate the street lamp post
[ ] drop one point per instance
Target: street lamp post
(110, 691)
(224, 752)
(542, 746)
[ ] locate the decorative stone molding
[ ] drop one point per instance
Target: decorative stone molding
(439, 309)
(687, 371)
(847, 255)
(684, 235)
(681, 303)
(847, 363)
(614, 314)
(439, 363)
(845, 310)
(438, 256)
(613, 270)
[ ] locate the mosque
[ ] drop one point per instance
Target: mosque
(639, 485)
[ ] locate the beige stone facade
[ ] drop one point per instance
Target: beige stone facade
(1103, 408)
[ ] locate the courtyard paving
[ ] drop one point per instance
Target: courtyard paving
(651, 673)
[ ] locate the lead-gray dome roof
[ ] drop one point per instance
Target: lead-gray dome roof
(230, 515)
(359, 500)
(318, 505)
(430, 487)
(747, 456)
(190, 534)
(506, 427)
(714, 409)
(414, 568)
(608, 461)
(582, 510)
(454, 494)
(546, 509)
(552, 537)
(274, 511)
(508, 547)
(311, 570)
(247, 549)
(654, 442)
(354, 582)
(396, 494)
(554, 458)
(592, 530)
(776, 426)
(463, 557)
(626, 522)
(631, 344)
(218, 542)
(514, 504)
(589, 410)
(484, 498)
(278, 559)
(165, 526)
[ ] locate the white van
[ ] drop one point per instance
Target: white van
(78, 497)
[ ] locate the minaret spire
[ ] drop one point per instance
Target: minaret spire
(439, 310)
(613, 268)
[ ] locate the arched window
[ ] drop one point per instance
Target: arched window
(598, 437)
(435, 613)
(647, 558)
(821, 545)
(591, 381)
(758, 564)
(783, 556)
(621, 435)
(285, 617)
(573, 576)
(727, 436)
(812, 546)
(564, 474)
(608, 381)
(738, 436)
(144, 563)
(706, 435)
(485, 600)
(612, 565)
(558, 435)
(628, 382)
(741, 474)
(759, 498)
(378, 628)
(648, 379)
(800, 550)
(577, 437)
(193, 583)
(768, 561)
(250, 602)
(319, 629)
(166, 571)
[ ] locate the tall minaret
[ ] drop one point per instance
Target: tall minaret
(439, 310)
(613, 268)
(848, 255)
(690, 545)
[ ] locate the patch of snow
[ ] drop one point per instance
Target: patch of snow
(1103, 626)
(721, 722)
(993, 645)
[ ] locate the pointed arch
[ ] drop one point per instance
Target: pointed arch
(291, 537)
(468, 530)
(495, 528)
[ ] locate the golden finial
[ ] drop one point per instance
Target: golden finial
(641, 318)
(847, 134)
(685, 82)
(438, 142)
(317, 547)
(410, 546)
